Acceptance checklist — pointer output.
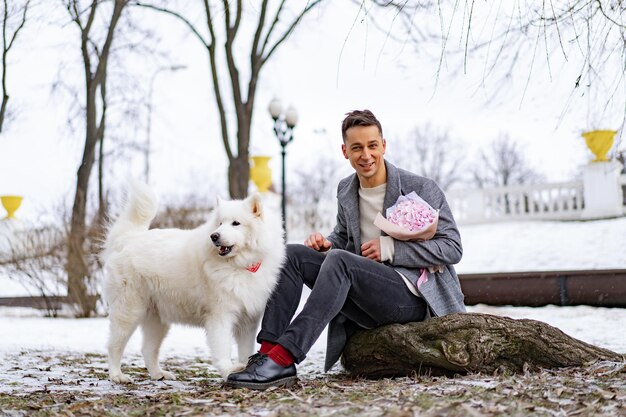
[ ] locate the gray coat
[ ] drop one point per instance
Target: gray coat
(442, 291)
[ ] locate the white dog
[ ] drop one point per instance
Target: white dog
(218, 276)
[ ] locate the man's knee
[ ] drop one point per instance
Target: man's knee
(295, 250)
(338, 259)
(338, 256)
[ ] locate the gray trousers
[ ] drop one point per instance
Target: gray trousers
(367, 292)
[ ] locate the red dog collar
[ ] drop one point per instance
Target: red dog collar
(254, 268)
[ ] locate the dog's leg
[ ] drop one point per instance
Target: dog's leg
(154, 331)
(245, 334)
(122, 326)
(219, 332)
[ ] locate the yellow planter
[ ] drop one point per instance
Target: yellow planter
(260, 173)
(11, 203)
(599, 142)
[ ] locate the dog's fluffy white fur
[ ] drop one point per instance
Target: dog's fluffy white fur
(195, 277)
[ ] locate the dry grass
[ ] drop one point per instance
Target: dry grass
(44, 384)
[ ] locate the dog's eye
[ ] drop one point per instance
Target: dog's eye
(236, 223)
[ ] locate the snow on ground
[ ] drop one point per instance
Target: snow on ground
(78, 347)
(28, 329)
(543, 246)
(70, 354)
(36, 351)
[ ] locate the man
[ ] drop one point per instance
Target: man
(358, 277)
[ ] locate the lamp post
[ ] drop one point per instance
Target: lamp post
(283, 128)
(158, 71)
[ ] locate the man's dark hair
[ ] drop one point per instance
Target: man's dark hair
(360, 118)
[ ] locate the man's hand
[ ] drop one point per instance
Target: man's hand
(371, 250)
(318, 242)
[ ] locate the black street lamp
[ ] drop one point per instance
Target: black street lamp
(283, 128)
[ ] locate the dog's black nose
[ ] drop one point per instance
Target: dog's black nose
(215, 237)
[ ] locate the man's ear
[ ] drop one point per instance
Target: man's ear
(255, 204)
(343, 149)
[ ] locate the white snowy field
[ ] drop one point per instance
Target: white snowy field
(543, 246)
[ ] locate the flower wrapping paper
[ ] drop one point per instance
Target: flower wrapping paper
(410, 218)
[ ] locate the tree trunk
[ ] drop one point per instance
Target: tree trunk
(239, 168)
(239, 176)
(464, 343)
(77, 265)
(95, 78)
(3, 110)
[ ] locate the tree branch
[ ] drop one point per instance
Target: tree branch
(272, 26)
(5, 52)
(231, 33)
(254, 53)
(289, 30)
(216, 85)
(608, 17)
(21, 25)
(104, 57)
(178, 16)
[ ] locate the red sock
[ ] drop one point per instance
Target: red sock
(266, 346)
(281, 356)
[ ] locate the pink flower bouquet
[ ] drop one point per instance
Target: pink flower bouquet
(411, 218)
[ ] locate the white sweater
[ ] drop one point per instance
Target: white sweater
(371, 202)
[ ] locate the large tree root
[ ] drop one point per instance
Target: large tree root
(462, 343)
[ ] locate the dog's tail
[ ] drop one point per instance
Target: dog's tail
(137, 212)
(140, 207)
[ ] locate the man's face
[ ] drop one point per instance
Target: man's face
(364, 148)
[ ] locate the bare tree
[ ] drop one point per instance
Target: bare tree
(95, 51)
(223, 24)
(432, 153)
(501, 164)
(13, 21)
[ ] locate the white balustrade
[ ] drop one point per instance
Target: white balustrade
(556, 201)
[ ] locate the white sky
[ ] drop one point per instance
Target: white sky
(334, 63)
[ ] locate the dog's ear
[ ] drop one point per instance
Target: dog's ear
(256, 205)
(218, 201)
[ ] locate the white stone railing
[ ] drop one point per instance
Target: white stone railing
(599, 194)
(557, 201)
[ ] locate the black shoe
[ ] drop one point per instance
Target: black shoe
(262, 373)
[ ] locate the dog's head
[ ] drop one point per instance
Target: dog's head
(237, 225)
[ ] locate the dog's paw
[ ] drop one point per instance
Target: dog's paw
(164, 375)
(237, 367)
(121, 379)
